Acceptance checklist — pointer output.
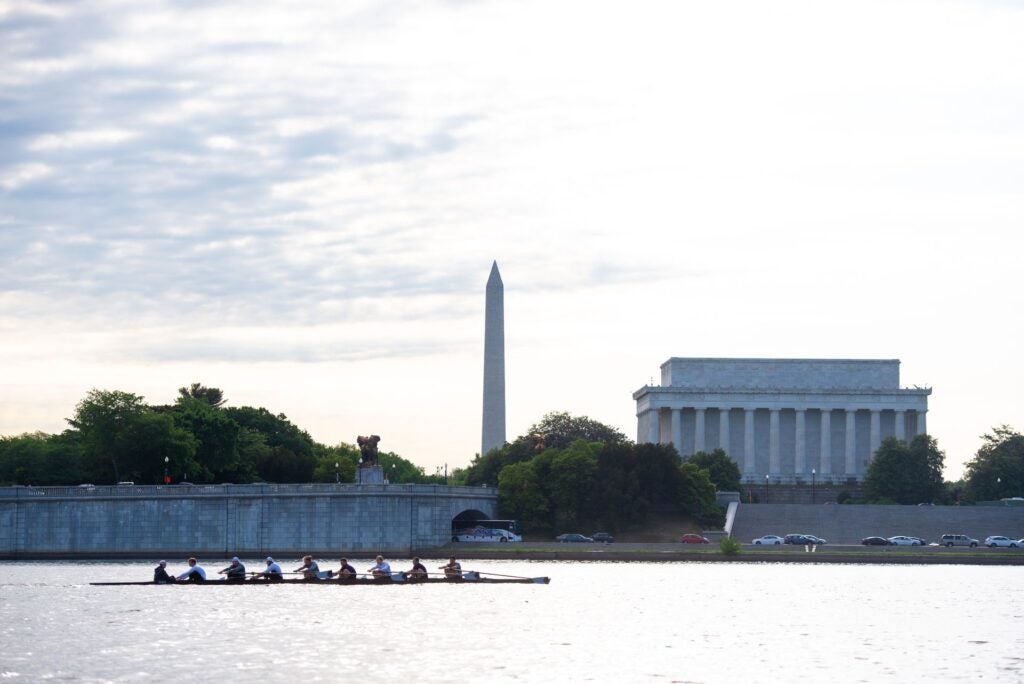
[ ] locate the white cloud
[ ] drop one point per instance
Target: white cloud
(252, 192)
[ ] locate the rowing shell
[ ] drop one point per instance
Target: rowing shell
(394, 579)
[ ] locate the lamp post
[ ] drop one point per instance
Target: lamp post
(814, 474)
(167, 477)
(999, 486)
(337, 475)
(766, 489)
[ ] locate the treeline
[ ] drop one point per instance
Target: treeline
(913, 473)
(115, 436)
(572, 473)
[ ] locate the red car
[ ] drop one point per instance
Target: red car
(694, 539)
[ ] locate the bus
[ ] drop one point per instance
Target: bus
(488, 531)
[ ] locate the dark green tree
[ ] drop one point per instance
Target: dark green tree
(905, 473)
(122, 438)
(213, 397)
(282, 454)
(524, 496)
(560, 429)
(216, 433)
(722, 470)
(345, 455)
(697, 496)
(571, 484)
(41, 460)
(997, 469)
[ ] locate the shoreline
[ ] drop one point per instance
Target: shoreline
(658, 553)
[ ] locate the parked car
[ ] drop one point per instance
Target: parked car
(957, 540)
(694, 539)
(768, 539)
(924, 542)
(875, 541)
(901, 540)
(997, 540)
(572, 537)
(802, 539)
(602, 537)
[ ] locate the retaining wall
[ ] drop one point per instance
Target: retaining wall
(225, 520)
(844, 523)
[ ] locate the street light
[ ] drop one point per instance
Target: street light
(766, 489)
(167, 477)
(337, 476)
(813, 475)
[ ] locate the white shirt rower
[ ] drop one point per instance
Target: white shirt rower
(193, 570)
(381, 568)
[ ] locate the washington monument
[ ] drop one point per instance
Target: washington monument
(494, 364)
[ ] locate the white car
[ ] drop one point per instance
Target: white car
(768, 539)
(900, 540)
(1000, 541)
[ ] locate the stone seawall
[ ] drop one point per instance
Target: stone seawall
(224, 520)
(848, 524)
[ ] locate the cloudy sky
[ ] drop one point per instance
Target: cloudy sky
(299, 203)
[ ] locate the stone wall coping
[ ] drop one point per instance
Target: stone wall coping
(235, 490)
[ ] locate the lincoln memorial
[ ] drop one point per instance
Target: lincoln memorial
(792, 420)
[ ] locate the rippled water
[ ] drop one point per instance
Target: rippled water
(596, 622)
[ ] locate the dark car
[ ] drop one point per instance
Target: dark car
(875, 541)
(694, 539)
(801, 539)
(566, 538)
(602, 537)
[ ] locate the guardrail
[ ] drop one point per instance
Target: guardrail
(178, 490)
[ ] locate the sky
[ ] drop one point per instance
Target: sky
(299, 204)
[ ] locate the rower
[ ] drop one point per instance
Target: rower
(309, 569)
(235, 572)
(273, 573)
(419, 571)
(347, 572)
(381, 569)
(453, 570)
(160, 575)
(194, 573)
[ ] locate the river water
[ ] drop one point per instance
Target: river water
(595, 622)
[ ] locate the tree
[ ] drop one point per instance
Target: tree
(561, 429)
(722, 470)
(555, 430)
(282, 453)
(523, 495)
(122, 438)
(905, 473)
(216, 434)
(213, 397)
(40, 459)
(572, 478)
(997, 469)
(696, 496)
(345, 455)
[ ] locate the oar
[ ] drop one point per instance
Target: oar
(494, 574)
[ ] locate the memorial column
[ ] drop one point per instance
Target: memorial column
(922, 426)
(850, 462)
(825, 453)
(698, 431)
(677, 430)
(773, 443)
(723, 430)
(800, 457)
(749, 464)
(876, 432)
(653, 428)
(901, 426)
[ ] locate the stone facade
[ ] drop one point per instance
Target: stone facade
(782, 420)
(218, 521)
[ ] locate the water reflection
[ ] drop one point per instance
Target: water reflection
(596, 622)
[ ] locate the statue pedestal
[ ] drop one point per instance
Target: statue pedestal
(370, 475)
